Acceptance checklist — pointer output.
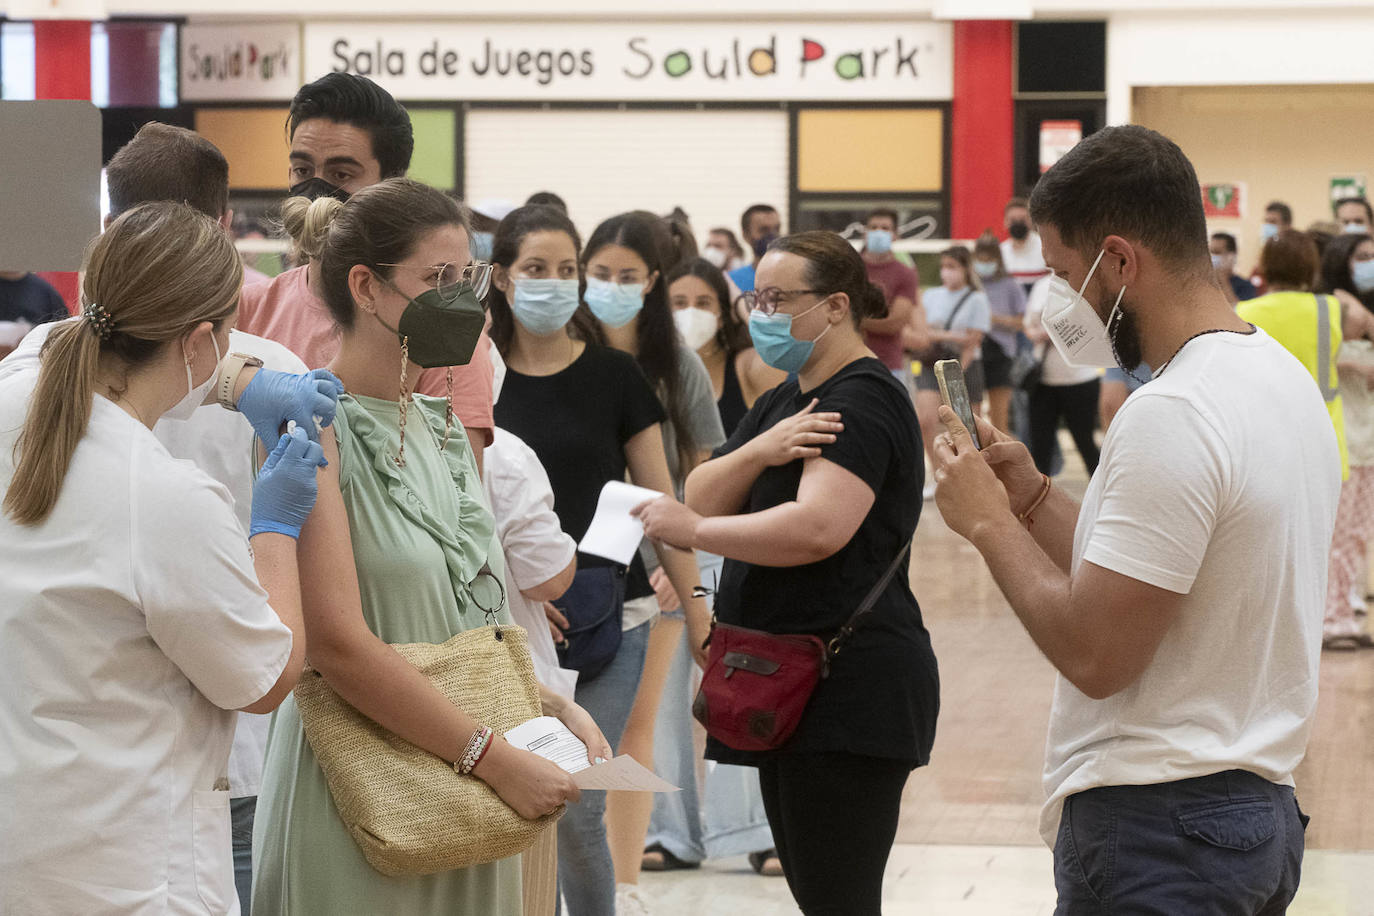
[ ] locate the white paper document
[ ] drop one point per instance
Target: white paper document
(614, 534)
(550, 739)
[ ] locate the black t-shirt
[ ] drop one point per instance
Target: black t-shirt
(31, 299)
(882, 695)
(578, 421)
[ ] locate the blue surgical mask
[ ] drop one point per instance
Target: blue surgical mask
(1355, 228)
(1268, 231)
(614, 304)
(543, 306)
(772, 336)
(480, 245)
(878, 241)
(985, 269)
(1362, 275)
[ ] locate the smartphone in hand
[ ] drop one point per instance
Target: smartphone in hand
(949, 374)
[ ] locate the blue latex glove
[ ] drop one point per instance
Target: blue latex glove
(285, 490)
(273, 398)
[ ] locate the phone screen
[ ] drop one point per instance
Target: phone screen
(949, 374)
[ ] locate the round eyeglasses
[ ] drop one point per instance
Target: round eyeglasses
(770, 298)
(451, 279)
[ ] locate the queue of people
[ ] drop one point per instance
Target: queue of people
(402, 440)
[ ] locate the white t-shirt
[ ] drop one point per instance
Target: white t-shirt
(1219, 481)
(1026, 265)
(220, 442)
(1053, 370)
(131, 625)
(535, 547)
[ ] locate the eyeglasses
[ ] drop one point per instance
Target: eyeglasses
(768, 299)
(450, 279)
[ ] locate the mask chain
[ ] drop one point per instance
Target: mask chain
(448, 408)
(404, 401)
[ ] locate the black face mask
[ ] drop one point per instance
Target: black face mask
(315, 188)
(1019, 230)
(761, 244)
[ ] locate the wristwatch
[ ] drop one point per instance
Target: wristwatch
(229, 376)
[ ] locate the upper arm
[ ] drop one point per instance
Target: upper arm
(836, 502)
(538, 552)
(900, 307)
(1132, 618)
(331, 602)
(647, 461)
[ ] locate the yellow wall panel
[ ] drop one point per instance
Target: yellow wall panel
(254, 142)
(870, 150)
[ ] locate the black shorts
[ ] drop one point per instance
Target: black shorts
(996, 365)
(973, 378)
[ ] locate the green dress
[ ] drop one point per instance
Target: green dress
(421, 534)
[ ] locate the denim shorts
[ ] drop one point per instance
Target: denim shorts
(1228, 844)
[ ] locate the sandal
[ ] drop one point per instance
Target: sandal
(766, 863)
(656, 858)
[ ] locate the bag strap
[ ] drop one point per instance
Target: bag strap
(837, 643)
(949, 322)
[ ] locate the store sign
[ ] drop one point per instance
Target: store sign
(1223, 201)
(893, 61)
(253, 61)
(1056, 139)
(1343, 186)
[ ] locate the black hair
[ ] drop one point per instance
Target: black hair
(1128, 181)
(1363, 202)
(833, 266)
(732, 336)
(884, 212)
(656, 336)
(1226, 239)
(748, 216)
(1335, 269)
(546, 199)
(682, 244)
(505, 250)
(357, 101)
(736, 249)
(987, 246)
(1290, 260)
(1284, 211)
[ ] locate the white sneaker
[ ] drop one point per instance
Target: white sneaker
(628, 901)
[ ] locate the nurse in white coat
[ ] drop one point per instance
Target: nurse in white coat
(134, 617)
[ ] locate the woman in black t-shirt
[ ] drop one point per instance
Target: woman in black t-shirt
(590, 415)
(815, 494)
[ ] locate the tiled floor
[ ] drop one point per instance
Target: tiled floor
(972, 881)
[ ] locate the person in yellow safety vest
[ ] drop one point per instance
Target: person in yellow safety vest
(1308, 325)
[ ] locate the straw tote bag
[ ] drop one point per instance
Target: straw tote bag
(408, 810)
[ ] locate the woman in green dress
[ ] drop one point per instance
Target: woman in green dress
(400, 548)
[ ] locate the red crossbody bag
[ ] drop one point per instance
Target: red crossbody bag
(756, 684)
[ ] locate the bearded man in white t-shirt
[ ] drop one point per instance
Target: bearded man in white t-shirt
(1181, 603)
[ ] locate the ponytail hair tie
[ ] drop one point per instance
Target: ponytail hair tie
(102, 325)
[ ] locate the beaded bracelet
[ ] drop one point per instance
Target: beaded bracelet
(1045, 491)
(477, 748)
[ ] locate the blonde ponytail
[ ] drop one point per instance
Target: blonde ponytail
(308, 222)
(156, 273)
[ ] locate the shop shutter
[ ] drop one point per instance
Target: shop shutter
(712, 164)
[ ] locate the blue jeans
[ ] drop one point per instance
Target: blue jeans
(586, 876)
(732, 821)
(241, 811)
(1229, 844)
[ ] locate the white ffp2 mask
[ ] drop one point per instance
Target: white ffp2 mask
(697, 326)
(1074, 327)
(195, 394)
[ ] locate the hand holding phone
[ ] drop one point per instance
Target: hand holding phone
(949, 374)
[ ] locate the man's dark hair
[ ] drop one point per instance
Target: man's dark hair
(163, 162)
(1284, 211)
(1128, 181)
(748, 216)
(1227, 240)
(361, 103)
(886, 212)
(1363, 202)
(546, 199)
